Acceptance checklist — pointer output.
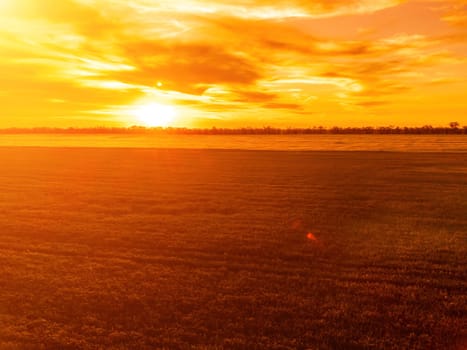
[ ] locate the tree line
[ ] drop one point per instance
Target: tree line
(453, 128)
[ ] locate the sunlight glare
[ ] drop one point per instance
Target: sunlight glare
(155, 115)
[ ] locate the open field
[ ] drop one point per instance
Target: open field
(206, 249)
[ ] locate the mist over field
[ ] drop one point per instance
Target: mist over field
(271, 142)
(232, 249)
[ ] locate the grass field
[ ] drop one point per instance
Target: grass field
(208, 249)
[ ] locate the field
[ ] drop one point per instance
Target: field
(209, 249)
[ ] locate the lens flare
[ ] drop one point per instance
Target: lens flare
(311, 237)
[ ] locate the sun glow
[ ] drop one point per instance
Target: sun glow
(155, 114)
(116, 62)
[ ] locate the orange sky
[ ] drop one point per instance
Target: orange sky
(287, 63)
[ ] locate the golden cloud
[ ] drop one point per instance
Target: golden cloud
(218, 59)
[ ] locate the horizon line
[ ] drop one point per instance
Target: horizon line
(453, 128)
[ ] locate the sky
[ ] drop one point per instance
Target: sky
(245, 63)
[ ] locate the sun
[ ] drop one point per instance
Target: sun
(155, 114)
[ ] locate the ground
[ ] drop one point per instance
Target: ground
(209, 249)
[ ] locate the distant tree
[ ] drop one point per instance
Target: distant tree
(454, 125)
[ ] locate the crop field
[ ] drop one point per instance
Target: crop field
(224, 249)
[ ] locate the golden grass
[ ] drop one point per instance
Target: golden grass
(168, 249)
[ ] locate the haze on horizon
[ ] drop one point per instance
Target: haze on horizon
(203, 63)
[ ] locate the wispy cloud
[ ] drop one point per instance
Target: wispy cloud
(232, 62)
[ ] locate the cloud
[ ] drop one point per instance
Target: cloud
(264, 9)
(220, 58)
(185, 67)
(287, 106)
(456, 14)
